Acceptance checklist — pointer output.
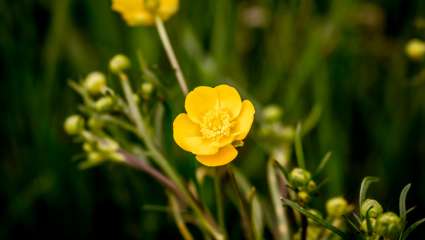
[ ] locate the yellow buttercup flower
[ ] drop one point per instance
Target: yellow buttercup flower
(215, 118)
(143, 12)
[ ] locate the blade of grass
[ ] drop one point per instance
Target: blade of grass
(364, 187)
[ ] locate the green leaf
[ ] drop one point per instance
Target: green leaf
(323, 163)
(410, 210)
(402, 203)
(315, 218)
(299, 147)
(283, 169)
(364, 187)
(411, 228)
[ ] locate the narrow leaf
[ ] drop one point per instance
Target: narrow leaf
(364, 187)
(410, 210)
(411, 228)
(299, 147)
(283, 169)
(402, 203)
(315, 218)
(323, 163)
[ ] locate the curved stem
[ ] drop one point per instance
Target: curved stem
(181, 225)
(170, 54)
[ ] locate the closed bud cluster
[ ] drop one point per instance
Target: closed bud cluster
(388, 225)
(303, 197)
(119, 63)
(365, 227)
(337, 207)
(95, 123)
(74, 125)
(95, 83)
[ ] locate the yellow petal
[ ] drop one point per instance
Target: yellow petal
(133, 12)
(187, 135)
(229, 99)
(244, 121)
(224, 156)
(200, 101)
(168, 8)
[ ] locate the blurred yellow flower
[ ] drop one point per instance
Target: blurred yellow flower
(415, 49)
(215, 118)
(143, 12)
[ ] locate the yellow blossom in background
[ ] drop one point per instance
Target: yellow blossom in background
(143, 12)
(415, 49)
(215, 118)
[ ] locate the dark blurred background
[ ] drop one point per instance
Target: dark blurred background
(345, 55)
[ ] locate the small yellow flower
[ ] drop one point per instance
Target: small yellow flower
(215, 118)
(143, 12)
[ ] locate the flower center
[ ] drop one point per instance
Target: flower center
(216, 124)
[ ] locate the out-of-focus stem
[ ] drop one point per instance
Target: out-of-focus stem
(171, 55)
(282, 229)
(246, 220)
(179, 219)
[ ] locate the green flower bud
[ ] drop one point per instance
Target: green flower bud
(147, 89)
(415, 49)
(95, 83)
(272, 113)
(388, 225)
(364, 227)
(87, 147)
(104, 104)
(373, 206)
(299, 177)
(108, 145)
(74, 124)
(95, 157)
(311, 186)
(304, 197)
(337, 207)
(95, 123)
(119, 63)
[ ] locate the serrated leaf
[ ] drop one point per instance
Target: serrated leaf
(402, 203)
(364, 187)
(411, 228)
(315, 218)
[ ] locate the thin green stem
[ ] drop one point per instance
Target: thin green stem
(181, 225)
(170, 54)
(219, 200)
(246, 220)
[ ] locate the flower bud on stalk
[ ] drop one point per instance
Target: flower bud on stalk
(74, 124)
(337, 207)
(388, 225)
(104, 104)
(303, 197)
(95, 83)
(272, 113)
(146, 89)
(299, 177)
(119, 63)
(95, 123)
(371, 208)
